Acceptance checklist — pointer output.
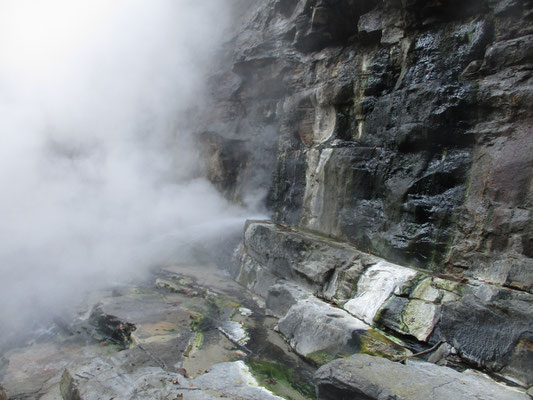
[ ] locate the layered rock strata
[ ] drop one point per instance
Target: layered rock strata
(335, 300)
(402, 127)
(392, 140)
(362, 377)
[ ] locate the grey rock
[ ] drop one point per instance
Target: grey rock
(366, 377)
(321, 332)
(281, 297)
(493, 333)
(109, 379)
(273, 252)
(440, 354)
(312, 326)
(100, 380)
(111, 327)
(505, 6)
(508, 53)
(487, 325)
(233, 379)
(69, 387)
(371, 24)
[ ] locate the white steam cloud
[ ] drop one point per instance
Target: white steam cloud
(98, 173)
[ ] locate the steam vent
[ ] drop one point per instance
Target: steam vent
(377, 157)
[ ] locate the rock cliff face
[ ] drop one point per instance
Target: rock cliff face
(402, 127)
(392, 142)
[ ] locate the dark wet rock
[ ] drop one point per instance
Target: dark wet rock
(366, 377)
(3, 395)
(508, 53)
(492, 329)
(322, 23)
(385, 121)
(112, 328)
(273, 252)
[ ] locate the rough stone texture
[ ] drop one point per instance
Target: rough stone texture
(69, 387)
(312, 325)
(374, 288)
(114, 379)
(272, 252)
(403, 127)
(371, 378)
(489, 326)
(176, 339)
(233, 379)
(282, 296)
(321, 332)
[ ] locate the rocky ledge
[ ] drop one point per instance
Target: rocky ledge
(188, 333)
(366, 377)
(334, 301)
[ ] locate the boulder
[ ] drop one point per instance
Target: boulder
(372, 378)
(111, 327)
(273, 252)
(282, 296)
(375, 286)
(491, 328)
(321, 332)
(99, 380)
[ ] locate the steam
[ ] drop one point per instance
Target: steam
(98, 171)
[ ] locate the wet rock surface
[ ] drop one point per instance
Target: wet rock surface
(362, 377)
(321, 333)
(400, 127)
(392, 143)
(200, 338)
(451, 321)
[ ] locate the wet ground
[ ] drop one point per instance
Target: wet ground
(185, 319)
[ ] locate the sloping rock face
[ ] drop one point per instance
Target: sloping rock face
(401, 127)
(361, 377)
(299, 273)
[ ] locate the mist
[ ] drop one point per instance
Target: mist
(99, 173)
